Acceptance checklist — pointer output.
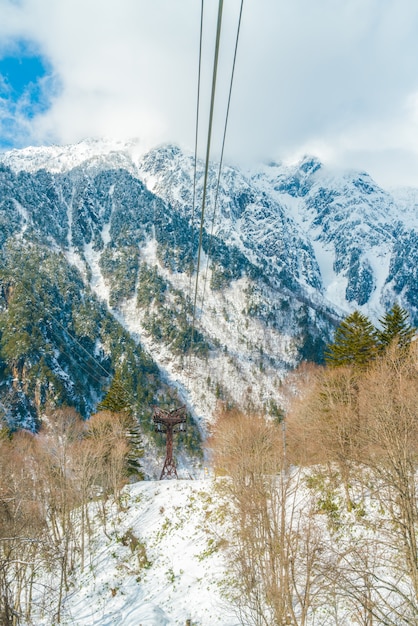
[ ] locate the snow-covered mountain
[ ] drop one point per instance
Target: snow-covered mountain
(341, 225)
(336, 233)
(287, 250)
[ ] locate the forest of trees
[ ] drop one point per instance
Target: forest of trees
(59, 344)
(323, 506)
(56, 486)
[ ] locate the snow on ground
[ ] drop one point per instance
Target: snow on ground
(181, 571)
(97, 281)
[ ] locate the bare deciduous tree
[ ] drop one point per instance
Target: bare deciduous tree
(274, 543)
(389, 410)
(366, 427)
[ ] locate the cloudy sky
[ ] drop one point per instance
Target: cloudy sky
(335, 78)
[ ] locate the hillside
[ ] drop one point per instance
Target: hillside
(287, 250)
(176, 575)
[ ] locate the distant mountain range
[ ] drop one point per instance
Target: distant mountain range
(287, 251)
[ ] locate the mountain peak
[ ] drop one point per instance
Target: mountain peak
(309, 164)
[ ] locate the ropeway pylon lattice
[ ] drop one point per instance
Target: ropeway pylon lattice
(169, 422)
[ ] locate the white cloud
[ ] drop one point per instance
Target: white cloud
(335, 74)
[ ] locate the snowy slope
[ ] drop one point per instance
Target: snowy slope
(183, 571)
(160, 560)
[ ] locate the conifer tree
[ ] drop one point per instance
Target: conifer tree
(119, 400)
(355, 342)
(395, 326)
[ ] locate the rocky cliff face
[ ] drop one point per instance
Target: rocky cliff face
(333, 235)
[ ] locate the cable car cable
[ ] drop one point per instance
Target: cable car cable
(109, 375)
(195, 146)
(222, 151)
(212, 104)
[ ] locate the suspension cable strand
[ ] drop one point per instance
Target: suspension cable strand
(108, 374)
(222, 152)
(202, 215)
(92, 373)
(195, 146)
(92, 358)
(43, 307)
(88, 369)
(192, 219)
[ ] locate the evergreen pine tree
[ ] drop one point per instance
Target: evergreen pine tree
(395, 326)
(119, 400)
(355, 342)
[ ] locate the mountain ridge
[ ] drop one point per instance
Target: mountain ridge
(287, 251)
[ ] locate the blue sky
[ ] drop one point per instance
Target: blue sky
(25, 90)
(334, 78)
